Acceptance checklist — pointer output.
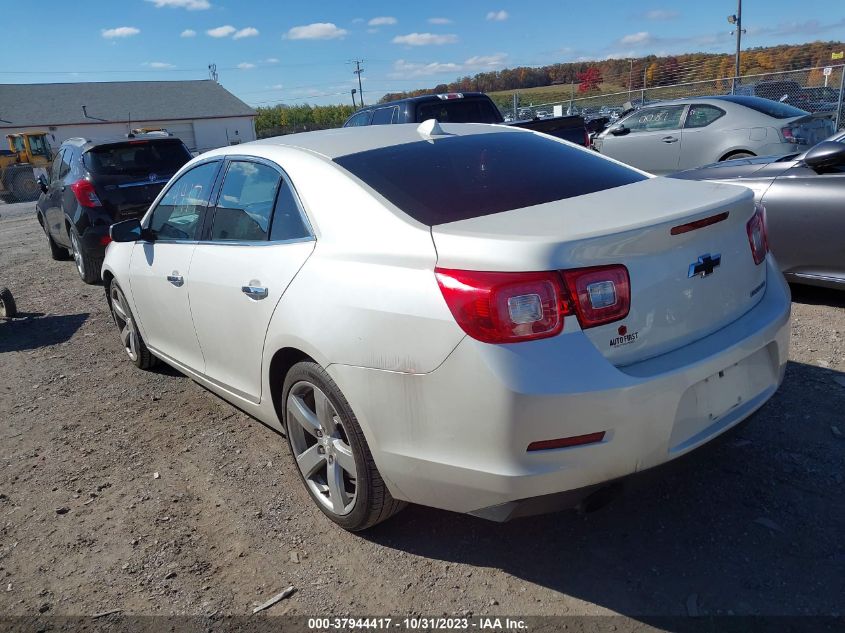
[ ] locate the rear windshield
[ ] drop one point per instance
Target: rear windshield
(774, 109)
(135, 158)
(459, 111)
(459, 177)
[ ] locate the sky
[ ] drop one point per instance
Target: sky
(270, 52)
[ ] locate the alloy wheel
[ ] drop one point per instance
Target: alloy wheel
(321, 446)
(77, 254)
(123, 318)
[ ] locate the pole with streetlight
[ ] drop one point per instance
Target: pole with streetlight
(736, 20)
(354, 105)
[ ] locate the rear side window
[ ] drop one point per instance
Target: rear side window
(459, 111)
(137, 158)
(180, 211)
(246, 202)
(362, 118)
(384, 116)
(701, 115)
(460, 177)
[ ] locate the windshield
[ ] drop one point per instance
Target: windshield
(460, 177)
(137, 158)
(768, 107)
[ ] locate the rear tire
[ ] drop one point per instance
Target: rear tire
(8, 309)
(88, 267)
(325, 439)
(130, 337)
(23, 186)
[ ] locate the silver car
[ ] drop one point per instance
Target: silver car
(673, 135)
(804, 197)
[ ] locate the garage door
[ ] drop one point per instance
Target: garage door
(181, 129)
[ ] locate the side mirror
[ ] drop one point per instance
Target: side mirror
(126, 231)
(42, 183)
(620, 130)
(825, 154)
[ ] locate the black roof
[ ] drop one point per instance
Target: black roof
(422, 99)
(86, 144)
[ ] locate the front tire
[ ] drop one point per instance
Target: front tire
(88, 267)
(330, 451)
(130, 337)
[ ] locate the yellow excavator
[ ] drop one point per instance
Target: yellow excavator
(28, 157)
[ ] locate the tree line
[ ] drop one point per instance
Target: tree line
(650, 71)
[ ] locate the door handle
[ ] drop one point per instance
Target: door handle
(670, 139)
(176, 279)
(255, 292)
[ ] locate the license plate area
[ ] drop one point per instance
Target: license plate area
(709, 402)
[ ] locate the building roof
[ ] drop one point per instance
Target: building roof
(25, 105)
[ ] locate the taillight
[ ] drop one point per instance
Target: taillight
(757, 237)
(587, 142)
(105, 240)
(602, 294)
(495, 307)
(84, 192)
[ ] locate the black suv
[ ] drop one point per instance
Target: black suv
(94, 184)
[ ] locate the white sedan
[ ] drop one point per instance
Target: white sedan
(473, 317)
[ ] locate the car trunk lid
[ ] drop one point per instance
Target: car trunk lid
(808, 130)
(127, 176)
(684, 286)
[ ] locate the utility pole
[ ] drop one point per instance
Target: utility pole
(630, 78)
(358, 70)
(736, 20)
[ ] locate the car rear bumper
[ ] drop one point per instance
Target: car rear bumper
(456, 438)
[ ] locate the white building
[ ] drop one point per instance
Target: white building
(202, 113)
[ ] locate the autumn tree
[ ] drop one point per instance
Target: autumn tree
(590, 79)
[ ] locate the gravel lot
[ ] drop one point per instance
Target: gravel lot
(121, 489)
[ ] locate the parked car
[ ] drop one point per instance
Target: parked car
(784, 91)
(471, 317)
(822, 99)
(804, 196)
(467, 107)
(674, 135)
(93, 184)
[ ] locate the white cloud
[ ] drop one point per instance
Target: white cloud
(402, 68)
(190, 5)
(222, 31)
(384, 20)
(636, 38)
(246, 32)
(120, 31)
(246, 65)
(188, 33)
(358, 21)
(316, 31)
(271, 60)
(439, 21)
(425, 39)
(277, 86)
(498, 16)
(661, 14)
(159, 65)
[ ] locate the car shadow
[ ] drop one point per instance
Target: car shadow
(750, 524)
(31, 331)
(814, 295)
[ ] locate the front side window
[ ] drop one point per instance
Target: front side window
(246, 202)
(703, 115)
(179, 214)
(655, 119)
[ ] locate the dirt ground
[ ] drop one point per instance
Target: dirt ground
(141, 491)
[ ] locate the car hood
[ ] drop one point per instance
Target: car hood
(739, 168)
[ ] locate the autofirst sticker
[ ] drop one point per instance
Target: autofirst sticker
(624, 338)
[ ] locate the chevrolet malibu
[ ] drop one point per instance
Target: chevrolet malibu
(471, 317)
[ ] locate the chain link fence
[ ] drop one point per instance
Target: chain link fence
(818, 90)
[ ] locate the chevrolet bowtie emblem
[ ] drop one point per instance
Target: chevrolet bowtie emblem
(705, 265)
